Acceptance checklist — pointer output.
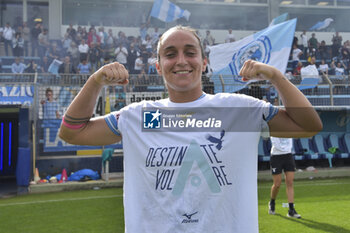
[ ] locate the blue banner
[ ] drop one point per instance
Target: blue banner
(53, 143)
(16, 95)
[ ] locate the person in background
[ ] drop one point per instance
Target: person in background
(32, 67)
(323, 68)
(282, 160)
(18, 45)
(18, 67)
(230, 37)
(50, 106)
(8, 35)
(34, 35)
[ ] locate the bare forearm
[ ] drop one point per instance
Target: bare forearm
(298, 107)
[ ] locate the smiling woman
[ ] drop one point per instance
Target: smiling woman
(181, 167)
(181, 62)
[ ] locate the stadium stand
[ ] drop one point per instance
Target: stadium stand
(320, 145)
(339, 149)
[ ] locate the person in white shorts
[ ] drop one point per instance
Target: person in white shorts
(200, 177)
(282, 160)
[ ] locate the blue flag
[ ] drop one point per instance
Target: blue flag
(271, 46)
(279, 19)
(321, 24)
(166, 11)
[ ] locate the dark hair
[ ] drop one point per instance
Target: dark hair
(178, 28)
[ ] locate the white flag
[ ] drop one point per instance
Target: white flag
(166, 11)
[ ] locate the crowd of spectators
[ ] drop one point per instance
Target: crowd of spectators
(333, 60)
(83, 50)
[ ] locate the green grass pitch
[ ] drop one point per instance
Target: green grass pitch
(324, 205)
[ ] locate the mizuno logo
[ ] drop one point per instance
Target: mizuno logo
(189, 218)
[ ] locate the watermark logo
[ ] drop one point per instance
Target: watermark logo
(152, 119)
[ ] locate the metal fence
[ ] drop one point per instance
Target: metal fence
(49, 96)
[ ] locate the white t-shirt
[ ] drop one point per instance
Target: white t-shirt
(191, 181)
(281, 146)
(122, 55)
(83, 48)
(323, 67)
(304, 40)
(295, 54)
(138, 64)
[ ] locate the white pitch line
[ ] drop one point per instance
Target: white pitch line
(305, 184)
(59, 200)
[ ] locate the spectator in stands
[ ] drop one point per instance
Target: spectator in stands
(313, 44)
(121, 54)
(297, 69)
(66, 67)
(73, 52)
(50, 106)
(144, 54)
(323, 50)
(83, 50)
(336, 44)
(109, 40)
(84, 33)
(45, 64)
(304, 43)
(53, 52)
(34, 33)
(8, 35)
(71, 32)
(296, 53)
(103, 36)
(151, 64)
(44, 42)
(155, 36)
(143, 31)
(339, 77)
(18, 67)
(133, 53)
(32, 67)
(345, 53)
(139, 65)
(230, 37)
(209, 38)
(93, 37)
(18, 45)
(339, 69)
(26, 38)
(282, 160)
(84, 67)
(94, 56)
(66, 41)
(122, 39)
(323, 68)
(147, 42)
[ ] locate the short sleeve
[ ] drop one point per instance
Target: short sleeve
(112, 122)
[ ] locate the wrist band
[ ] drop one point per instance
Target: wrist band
(70, 126)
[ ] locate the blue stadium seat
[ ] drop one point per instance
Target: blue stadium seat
(263, 153)
(298, 150)
(333, 141)
(345, 140)
(320, 147)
